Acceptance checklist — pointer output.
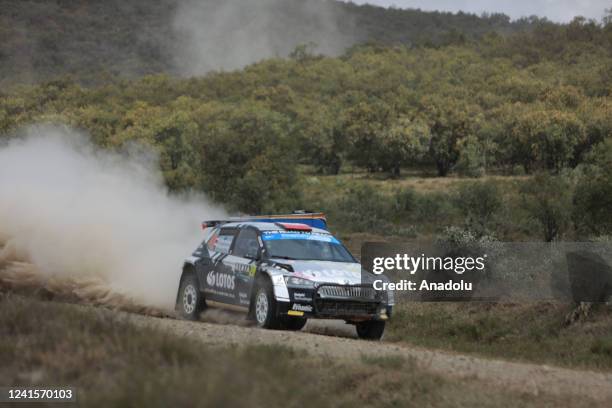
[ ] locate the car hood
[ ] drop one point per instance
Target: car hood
(344, 273)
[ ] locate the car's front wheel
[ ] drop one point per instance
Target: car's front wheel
(371, 329)
(264, 305)
(190, 301)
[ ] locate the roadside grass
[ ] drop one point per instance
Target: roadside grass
(421, 180)
(418, 206)
(411, 206)
(388, 362)
(530, 332)
(116, 364)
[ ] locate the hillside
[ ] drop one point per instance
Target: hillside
(518, 104)
(45, 39)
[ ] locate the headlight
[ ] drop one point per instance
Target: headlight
(295, 281)
(390, 293)
(277, 280)
(390, 298)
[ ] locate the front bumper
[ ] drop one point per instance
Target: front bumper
(334, 301)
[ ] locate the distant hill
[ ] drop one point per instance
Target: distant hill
(42, 39)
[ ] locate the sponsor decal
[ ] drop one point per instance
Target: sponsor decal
(220, 280)
(241, 268)
(273, 236)
(243, 298)
(303, 297)
(302, 308)
(295, 313)
(253, 270)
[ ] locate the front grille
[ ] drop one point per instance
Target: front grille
(331, 307)
(347, 292)
(346, 300)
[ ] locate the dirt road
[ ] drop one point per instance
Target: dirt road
(337, 344)
(336, 340)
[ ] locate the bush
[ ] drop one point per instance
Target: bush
(414, 206)
(457, 237)
(405, 200)
(362, 208)
(479, 203)
(548, 201)
(594, 193)
(602, 346)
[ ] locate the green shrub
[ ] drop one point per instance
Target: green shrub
(434, 207)
(362, 208)
(411, 205)
(405, 200)
(479, 203)
(593, 196)
(602, 346)
(548, 201)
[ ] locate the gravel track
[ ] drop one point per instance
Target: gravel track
(336, 340)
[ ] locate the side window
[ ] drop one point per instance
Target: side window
(212, 241)
(247, 244)
(222, 242)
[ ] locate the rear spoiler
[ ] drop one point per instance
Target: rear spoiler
(314, 220)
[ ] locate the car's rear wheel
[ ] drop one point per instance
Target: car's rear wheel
(264, 305)
(190, 301)
(371, 329)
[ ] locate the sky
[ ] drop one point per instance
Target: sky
(555, 10)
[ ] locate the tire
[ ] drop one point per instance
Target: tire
(294, 323)
(190, 301)
(264, 306)
(371, 329)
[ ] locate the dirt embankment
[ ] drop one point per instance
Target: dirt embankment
(522, 377)
(337, 341)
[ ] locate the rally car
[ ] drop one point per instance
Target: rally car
(281, 271)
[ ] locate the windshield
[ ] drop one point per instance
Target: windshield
(305, 246)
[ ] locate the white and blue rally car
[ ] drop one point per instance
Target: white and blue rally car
(281, 270)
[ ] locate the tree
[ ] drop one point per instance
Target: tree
(596, 114)
(406, 141)
(547, 138)
(472, 157)
(450, 122)
(248, 158)
(171, 134)
(320, 137)
(363, 126)
(382, 139)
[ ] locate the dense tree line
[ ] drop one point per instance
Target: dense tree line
(94, 40)
(502, 104)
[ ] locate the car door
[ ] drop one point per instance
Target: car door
(243, 262)
(204, 255)
(218, 279)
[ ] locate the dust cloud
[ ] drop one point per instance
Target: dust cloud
(97, 225)
(229, 34)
